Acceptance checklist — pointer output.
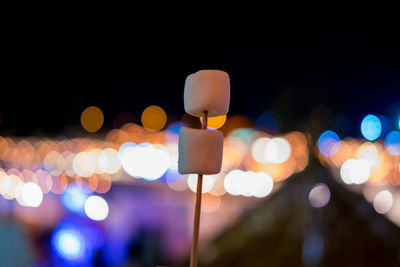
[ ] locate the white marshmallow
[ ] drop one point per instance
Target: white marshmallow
(207, 90)
(200, 151)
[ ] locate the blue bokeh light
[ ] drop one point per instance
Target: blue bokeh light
(371, 127)
(73, 199)
(392, 143)
(268, 121)
(328, 143)
(69, 244)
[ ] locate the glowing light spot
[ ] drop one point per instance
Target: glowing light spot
(92, 119)
(258, 149)
(154, 118)
(392, 143)
(145, 161)
(84, 164)
(383, 201)
(355, 171)
(369, 152)
(215, 122)
(73, 199)
(208, 183)
(328, 143)
(238, 182)
(233, 182)
(108, 161)
(96, 208)
(32, 195)
(319, 196)
(371, 127)
(277, 150)
(69, 244)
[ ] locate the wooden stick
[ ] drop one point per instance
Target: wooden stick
(197, 210)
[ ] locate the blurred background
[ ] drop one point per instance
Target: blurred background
(88, 150)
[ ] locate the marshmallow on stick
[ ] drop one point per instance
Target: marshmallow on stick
(207, 90)
(207, 93)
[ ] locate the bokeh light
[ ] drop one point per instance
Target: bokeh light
(392, 143)
(74, 199)
(383, 201)
(319, 195)
(355, 171)
(268, 122)
(249, 183)
(208, 182)
(145, 161)
(68, 243)
(215, 122)
(96, 208)
(328, 143)
(277, 150)
(32, 195)
(108, 161)
(371, 127)
(92, 119)
(154, 118)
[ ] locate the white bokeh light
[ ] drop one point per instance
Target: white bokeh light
(32, 195)
(96, 208)
(277, 150)
(208, 182)
(355, 171)
(319, 195)
(383, 201)
(109, 161)
(145, 161)
(249, 183)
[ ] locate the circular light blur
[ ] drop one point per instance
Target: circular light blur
(32, 195)
(215, 122)
(355, 171)
(84, 164)
(369, 152)
(319, 196)
(154, 118)
(392, 143)
(73, 199)
(328, 143)
(383, 201)
(249, 183)
(109, 161)
(277, 150)
(208, 182)
(371, 127)
(96, 208)
(69, 244)
(258, 149)
(92, 119)
(145, 161)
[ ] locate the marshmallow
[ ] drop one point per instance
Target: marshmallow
(207, 90)
(200, 151)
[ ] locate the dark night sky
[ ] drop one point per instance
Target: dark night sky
(51, 78)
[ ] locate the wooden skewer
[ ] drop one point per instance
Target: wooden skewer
(197, 210)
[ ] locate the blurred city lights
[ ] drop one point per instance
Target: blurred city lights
(154, 118)
(74, 199)
(392, 143)
(319, 195)
(208, 183)
(371, 127)
(383, 201)
(328, 143)
(96, 208)
(108, 161)
(215, 122)
(277, 150)
(145, 161)
(92, 119)
(355, 171)
(238, 182)
(69, 244)
(32, 195)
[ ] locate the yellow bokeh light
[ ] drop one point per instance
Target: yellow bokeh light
(154, 118)
(215, 122)
(92, 119)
